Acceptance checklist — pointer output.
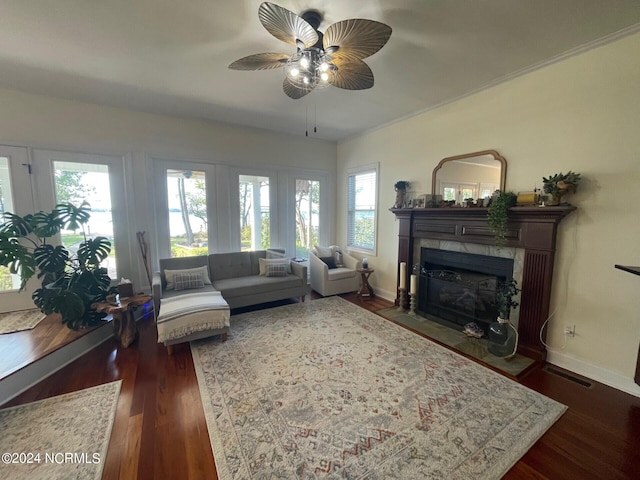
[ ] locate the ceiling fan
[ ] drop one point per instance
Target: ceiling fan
(333, 58)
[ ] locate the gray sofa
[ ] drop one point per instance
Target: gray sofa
(236, 276)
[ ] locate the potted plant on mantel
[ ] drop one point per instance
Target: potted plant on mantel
(498, 215)
(401, 192)
(70, 283)
(503, 335)
(560, 184)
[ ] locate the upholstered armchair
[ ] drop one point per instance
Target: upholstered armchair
(333, 271)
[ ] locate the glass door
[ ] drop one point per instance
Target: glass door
(15, 197)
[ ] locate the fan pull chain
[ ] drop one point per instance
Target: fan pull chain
(315, 121)
(306, 121)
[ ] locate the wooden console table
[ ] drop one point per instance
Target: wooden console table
(124, 323)
(635, 271)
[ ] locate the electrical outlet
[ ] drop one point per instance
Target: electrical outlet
(570, 330)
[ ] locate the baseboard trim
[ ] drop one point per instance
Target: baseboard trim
(391, 296)
(25, 378)
(594, 372)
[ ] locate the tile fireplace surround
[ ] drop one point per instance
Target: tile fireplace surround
(531, 242)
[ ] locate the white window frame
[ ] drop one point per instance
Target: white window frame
(352, 172)
(22, 200)
(44, 176)
(161, 202)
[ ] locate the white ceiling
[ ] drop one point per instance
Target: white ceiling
(171, 56)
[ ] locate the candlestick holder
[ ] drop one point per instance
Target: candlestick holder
(412, 304)
(403, 299)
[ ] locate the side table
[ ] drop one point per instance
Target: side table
(124, 323)
(365, 288)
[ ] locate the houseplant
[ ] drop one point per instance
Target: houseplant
(559, 184)
(70, 282)
(498, 214)
(401, 192)
(503, 336)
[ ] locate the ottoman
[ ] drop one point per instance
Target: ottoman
(192, 316)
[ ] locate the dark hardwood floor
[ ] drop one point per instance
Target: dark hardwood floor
(160, 430)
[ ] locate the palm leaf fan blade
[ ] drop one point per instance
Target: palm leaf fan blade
(286, 25)
(354, 75)
(355, 38)
(295, 90)
(260, 61)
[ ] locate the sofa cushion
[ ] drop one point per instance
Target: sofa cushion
(187, 281)
(232, 264)
(264, 262)
(169, 274)
(255, 284)
(340, 273)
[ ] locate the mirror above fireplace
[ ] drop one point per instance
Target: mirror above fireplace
(471, 175)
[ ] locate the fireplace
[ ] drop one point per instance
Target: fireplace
(530, 240)
(456, 288)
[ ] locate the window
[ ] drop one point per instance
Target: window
(307, 213)
(187, 202)
(78, 182)
(362, 194)
(7, 280)
(255, 218)
(16, 196)
(458, 192)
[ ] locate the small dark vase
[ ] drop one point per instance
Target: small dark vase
(502, 338)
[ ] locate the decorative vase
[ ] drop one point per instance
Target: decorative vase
(503, 338)
(554, 199)
(400, 196)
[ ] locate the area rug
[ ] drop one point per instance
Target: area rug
(325, 389)
(60, 437)
(21, 320)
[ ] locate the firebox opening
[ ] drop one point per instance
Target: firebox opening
(458, 287)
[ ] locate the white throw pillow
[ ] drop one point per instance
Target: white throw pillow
(324, 251)
(169, 275)
(263, 262)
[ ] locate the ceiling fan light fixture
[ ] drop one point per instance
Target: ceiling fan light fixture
(312, 66)
(330, 58)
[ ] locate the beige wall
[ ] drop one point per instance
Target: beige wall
(581, 114)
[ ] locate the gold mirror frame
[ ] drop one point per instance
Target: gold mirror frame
(493, 153)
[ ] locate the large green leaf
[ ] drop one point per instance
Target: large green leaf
(67, 303)
(51, 259)
(94, 250)
(74, 217)
(14, 225)
(18, 258)
(45, 224)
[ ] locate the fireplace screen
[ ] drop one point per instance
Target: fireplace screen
(461, 297)
(460, 287)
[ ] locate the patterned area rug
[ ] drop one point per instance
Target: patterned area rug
(325, 389)
(21, 320)
(60, 437)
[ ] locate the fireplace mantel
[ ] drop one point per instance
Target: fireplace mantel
(533, 229)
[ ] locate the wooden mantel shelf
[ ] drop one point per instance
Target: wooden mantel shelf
(533, 229)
